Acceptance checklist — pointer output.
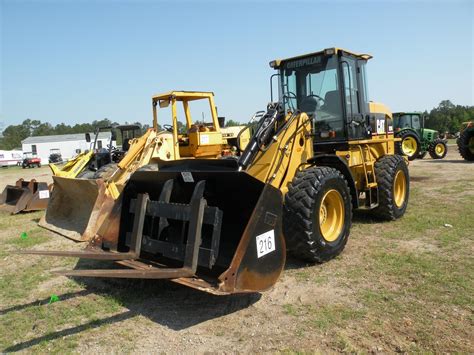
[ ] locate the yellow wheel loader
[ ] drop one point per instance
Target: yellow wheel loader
(225, 226)
(79, 207)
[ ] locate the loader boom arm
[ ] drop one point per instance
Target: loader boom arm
(288, 147)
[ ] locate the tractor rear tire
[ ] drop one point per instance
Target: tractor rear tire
(466, 144)
(409, 145)
(106, 171)
(393, 182)
(317, 214)
(438, 149)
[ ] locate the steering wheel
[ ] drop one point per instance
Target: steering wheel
(168, 127)
(317, 97)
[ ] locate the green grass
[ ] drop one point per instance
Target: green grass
(46, 319)
(323, 317)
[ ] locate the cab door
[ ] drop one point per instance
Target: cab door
(354, 100)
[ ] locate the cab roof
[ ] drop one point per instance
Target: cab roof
(328, 51)
(184, 95)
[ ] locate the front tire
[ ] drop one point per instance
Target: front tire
(391, 172)
(409, 145)
(438, 149)
(317, 214)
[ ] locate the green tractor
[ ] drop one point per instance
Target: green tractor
(466, 141)
(416, 140)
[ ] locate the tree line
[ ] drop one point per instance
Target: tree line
(14, 134)
(446, 117)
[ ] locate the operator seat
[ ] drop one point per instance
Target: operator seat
(126, 144)
(332, 103)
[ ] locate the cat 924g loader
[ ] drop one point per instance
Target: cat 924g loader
(225, 226)
(79, 207)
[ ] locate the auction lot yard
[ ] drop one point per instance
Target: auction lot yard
(404, 286)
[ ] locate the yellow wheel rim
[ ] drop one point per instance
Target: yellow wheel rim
(471, 144)
(331, 215)
(439, 149)
(409, 146)
(399, 188)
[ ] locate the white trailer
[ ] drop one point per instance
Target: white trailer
(10, 157)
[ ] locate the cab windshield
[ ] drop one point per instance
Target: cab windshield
(311, 85)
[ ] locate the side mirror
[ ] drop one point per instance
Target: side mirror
(221, 121)
(113, 136)
(88, 137)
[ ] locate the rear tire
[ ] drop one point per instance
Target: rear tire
(317, 214)
(391, 172)
(438, 149)
(106, 171)
(409, 145)
(466, 144)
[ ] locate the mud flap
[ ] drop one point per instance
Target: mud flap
(74, 207)
(25, 196)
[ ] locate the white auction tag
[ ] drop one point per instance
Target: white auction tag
(187, 176)
(380, 125)
(43, 194)
(265, 243)
(204, 139)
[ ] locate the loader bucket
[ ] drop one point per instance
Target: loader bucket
(25, 196)
(74, 207)
(199, 223)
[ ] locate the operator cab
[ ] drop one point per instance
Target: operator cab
(330, 86)
(196, 139)
(403, 120)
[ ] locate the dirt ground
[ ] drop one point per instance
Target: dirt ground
(403, 286)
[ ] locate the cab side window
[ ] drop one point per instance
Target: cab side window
(415, 119)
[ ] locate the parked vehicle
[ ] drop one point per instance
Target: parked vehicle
(416, 140)
(225, 225)
(30, 160)
(465, 141)
(11, 158)
(55, 156)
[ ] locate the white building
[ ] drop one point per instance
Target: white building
(69, 145)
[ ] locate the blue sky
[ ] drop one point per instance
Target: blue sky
(65, 61)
